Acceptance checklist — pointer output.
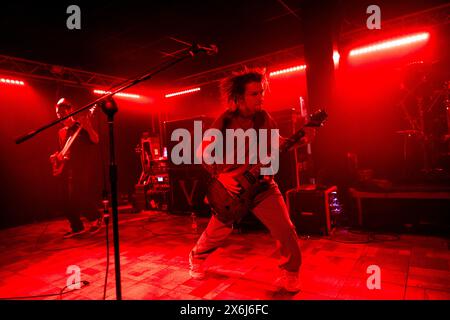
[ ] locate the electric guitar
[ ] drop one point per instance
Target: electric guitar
(233, 207)
(59, 158)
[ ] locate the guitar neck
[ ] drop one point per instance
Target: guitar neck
(316, 120)
(286, 145)
(70, 141)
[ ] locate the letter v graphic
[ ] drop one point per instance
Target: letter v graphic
(188, 197)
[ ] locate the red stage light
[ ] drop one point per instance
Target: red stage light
(419, 37)
(287, 70)
(10, 81)
(336, 58)
(120, 94)
(181, 92)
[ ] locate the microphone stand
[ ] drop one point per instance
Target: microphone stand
(110, 108)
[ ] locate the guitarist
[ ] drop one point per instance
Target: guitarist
(244, 94)
(80, 167)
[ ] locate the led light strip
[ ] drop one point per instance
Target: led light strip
(174, 94)
(288, 70)
(11, 81)
(391, 44)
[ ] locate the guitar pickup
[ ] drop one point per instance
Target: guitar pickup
(250, 178)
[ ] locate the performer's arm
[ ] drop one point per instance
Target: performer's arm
(87, 125)
(93, 135)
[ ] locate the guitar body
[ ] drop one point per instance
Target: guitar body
(58, 158)
(57, 164)
(230, 208)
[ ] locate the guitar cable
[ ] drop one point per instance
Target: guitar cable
(84, 284)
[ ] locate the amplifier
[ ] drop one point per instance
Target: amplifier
(188, 190)
(160, 182)
(187, 125)
(139, 199)
(158, 200)
(187, 181)
(310, 208)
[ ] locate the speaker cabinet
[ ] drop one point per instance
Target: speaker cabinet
(309, 209)
(188, 190)
(187, 181)
(185, 124)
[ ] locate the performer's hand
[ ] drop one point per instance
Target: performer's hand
(300, 143)
(85, 122)
(229, 182)
(53, 156)
(56, 156)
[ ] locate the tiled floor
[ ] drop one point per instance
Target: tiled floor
(154, 249)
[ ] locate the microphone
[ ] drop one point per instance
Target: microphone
(210, 50)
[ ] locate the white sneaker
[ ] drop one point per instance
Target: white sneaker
(289, 281)
(196, 270)
(96, 226)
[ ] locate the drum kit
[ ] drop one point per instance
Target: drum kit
(426, 109)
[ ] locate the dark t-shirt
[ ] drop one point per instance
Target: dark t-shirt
(234, 120)
(83, 170)
(82, 153)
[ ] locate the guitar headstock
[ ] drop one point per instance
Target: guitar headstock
(317, 118)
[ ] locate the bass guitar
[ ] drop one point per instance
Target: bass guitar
(59, 158)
